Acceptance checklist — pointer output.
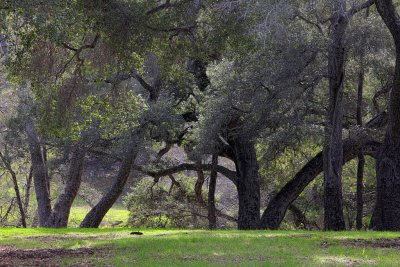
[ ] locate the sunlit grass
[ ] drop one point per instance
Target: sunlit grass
(210, 248)
(115, 217)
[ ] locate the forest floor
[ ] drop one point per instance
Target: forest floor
(119, 247)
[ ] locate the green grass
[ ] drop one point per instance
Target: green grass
(116, 214)
(209, 248)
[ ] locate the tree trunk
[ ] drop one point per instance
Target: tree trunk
(212, 218)
(60, 213)
(333, 149)
(278, 205)
(198, 188)
(387, 208)
(28, 190)
(360, 191)
(361, 159)
(97, 213)
(14, 179)
(19, 199)
(39, 174)
(248, 184)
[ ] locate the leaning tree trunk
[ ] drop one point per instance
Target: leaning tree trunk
(40, 176)
(387, 209)
(248, 183)
(60, 213)
(278, 205)
(97, 213)
(333, 149)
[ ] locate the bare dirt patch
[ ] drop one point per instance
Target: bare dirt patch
(60, 238)
(375, 243)
(10, 256)
(300, 236)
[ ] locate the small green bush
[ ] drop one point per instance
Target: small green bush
(162, 206)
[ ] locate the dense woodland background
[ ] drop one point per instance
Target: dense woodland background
(201, 113)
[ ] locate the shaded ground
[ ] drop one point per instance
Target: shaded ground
(375, 243)
(11, 256)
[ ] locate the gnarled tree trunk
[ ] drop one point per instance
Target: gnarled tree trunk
(333, 149)
(248, 185)
(60, 213)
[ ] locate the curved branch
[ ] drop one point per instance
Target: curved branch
(361, 140)
(231, 175)
(277, 207)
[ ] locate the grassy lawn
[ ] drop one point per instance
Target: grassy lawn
(117, 247)
(115, 217)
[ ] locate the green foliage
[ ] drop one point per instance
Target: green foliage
(110, 116)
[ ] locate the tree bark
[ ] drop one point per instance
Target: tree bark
(387, 208)
(212, 218)
(248, 185)
(59, 216)
(361, 159)
(333, 149)
(97, 213)
(39, 171)
(360, 191)
(198, 188)
(28, 190)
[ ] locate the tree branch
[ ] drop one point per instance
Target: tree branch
(166, 5)
(358, 8)
(231, 175)
(120, 77)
